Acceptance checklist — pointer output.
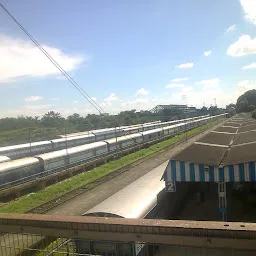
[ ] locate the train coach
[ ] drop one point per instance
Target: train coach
(22, 150)
(28, 149)
(53, 161)
(20, 170)
(124, 141)
(4, 159)
(136, 201)
(144, 198)
(57, 160)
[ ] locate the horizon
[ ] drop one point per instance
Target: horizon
(126, 55)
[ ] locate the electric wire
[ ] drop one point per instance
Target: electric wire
(55, 63)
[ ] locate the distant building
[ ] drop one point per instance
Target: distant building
(166, 112)
(175, 108)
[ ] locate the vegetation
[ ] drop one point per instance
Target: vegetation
(254, 114)
(34, 199)
(246, 102)
(30, 129)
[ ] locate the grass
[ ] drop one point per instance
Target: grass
(32, 200)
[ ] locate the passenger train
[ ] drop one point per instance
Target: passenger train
(28, 168)
(29, 149)
(144, 198)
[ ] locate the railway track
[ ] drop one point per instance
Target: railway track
(64, 171)
(43, 208)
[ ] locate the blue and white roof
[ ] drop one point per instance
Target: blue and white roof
(226, 154)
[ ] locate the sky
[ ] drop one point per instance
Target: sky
(126, 54)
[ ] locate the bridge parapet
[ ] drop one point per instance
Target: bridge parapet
(32, 234)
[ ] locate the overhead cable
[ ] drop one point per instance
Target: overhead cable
(55, 63)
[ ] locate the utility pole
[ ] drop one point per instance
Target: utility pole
(66, 160)
(29, 137)
(116, 138)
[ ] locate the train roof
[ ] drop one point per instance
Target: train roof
(26, 145)
(152, 131)
(70, 151)
(70, 138)
(135, 200)
(125, 137)
(169, 127)
(4, 159)
(104, 131)
(74, 134)
(17, 163)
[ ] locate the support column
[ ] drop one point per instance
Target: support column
(222, 201)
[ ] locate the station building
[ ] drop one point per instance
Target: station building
(225, 155)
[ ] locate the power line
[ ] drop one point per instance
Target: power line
(55, 63)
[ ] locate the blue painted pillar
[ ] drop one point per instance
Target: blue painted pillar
(222, 201)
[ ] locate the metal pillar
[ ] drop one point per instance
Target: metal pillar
(222, 201)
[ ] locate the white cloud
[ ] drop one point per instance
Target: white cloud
(244, 46)
(21, 58)
(33, 98)
(209, 83)
(186, 65)
(249, 7)
(142, 91)
(111, 97)
(246, 85)
(169, 86)
(207, 53)
(179, 79)
(26, 110)
(55, 99)
(231, 28)
(93, 98)
(250, 66)
(75, 101)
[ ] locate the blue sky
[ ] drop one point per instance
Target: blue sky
(126, 54)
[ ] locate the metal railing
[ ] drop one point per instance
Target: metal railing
(68, 235)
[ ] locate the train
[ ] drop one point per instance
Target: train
(29, 168)
(4, 159)
(144, 198)
(34, 148)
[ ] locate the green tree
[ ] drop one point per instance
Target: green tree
(246, 102)
(52, 119)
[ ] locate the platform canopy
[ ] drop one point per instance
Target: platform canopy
(226, 154)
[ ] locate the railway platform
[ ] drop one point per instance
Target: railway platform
(225, 156)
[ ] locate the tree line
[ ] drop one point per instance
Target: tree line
(247, 103)
(24, 129)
